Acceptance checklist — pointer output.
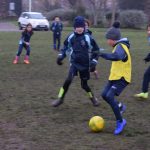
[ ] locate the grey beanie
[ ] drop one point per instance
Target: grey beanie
(114, 33)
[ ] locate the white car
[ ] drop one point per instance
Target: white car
(38, 21)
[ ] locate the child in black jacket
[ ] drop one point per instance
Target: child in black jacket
(82, 50)
(24, 43)
(56, 28)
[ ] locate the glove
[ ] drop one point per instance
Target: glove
(147, 58)
(59, 60)
(93, 65)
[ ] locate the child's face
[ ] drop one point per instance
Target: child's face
(29, 28)
(57, 19)
(111, 42)
(79, 30)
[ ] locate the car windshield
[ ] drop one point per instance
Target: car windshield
(36, 16)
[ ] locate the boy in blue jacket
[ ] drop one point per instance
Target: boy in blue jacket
(83, 52)
(56, 28)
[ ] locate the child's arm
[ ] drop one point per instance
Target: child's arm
(52, 28)
(62, 53)
(119, 54)
(95, 55)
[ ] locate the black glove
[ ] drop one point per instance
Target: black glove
(59, 60)
(93, 65)
(147, 58)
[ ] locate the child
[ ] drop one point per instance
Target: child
(146, 80)
(56, 28)
(24, 43)
(87, 24)
(82, 57)
(120, 74)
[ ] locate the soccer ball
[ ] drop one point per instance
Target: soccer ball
(96, 123)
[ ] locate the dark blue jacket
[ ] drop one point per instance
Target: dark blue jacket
(26, 36)
(56, 28)
(119, 53)
(82, 50)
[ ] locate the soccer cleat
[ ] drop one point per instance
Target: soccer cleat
(15, 61)
(26, 61)
(95, 101)
(57, 102)
(120, 126)
(142, 95)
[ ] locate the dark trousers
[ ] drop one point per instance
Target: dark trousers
(56, 41)
(84, 76)
(21, 46)
(112, 89)
(146, 80)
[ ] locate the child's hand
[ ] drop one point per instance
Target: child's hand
(59, 60)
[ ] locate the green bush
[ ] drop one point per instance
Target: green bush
(133, 19)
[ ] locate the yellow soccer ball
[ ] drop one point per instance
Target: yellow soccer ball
(96, 123)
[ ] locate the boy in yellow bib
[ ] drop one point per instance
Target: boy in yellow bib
(120, 74)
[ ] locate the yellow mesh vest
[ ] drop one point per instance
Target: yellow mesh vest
(121, 69)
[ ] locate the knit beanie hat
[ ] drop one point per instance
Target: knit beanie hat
(114, 33)
(79, 21)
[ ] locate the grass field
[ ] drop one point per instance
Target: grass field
(27, 120)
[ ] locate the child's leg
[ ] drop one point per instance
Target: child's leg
(110, 99)
(112, 89)
(64, 88)
(54, 41)
(20, 50)
(85, 76)
(26, 59)
(146, 80)
(18, 54)
(145, 85)
(59, 42)
(85, 86)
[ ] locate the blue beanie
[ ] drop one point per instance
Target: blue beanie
(114, 33)
(79, 21)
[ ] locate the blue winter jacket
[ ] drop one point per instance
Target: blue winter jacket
(81, 49)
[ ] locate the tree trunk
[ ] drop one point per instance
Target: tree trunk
(113, 11)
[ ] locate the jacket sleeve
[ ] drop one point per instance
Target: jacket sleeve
(65, 48)
(95, 50)
(118, 55)
(23, 37)
(52, 28)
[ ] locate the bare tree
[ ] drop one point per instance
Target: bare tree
(96, 7)
(114, 4)
(147, 9)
